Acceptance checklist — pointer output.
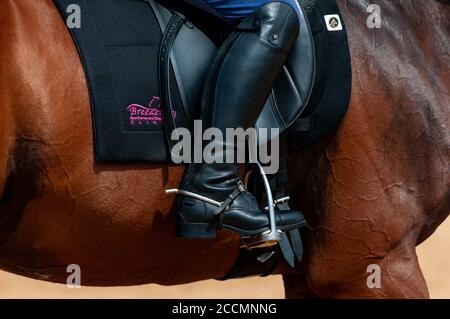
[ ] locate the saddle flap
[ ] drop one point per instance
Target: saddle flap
(191, 57)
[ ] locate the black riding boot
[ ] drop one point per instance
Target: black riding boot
(235, 91)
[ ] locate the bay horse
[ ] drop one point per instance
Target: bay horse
(370, 193)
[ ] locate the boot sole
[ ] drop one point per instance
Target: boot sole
(195, 230)
(205, 230)
(208, 230)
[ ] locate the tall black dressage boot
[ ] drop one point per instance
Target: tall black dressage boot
(212, 196)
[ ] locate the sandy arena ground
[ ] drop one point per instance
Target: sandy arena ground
(434, 258)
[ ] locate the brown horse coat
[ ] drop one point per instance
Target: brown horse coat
(371, 193)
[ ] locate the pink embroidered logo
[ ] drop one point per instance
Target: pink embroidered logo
(142, 115)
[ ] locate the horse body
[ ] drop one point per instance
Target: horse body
(371, 193)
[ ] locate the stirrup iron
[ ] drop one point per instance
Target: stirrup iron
(273, 235)
(193, 195)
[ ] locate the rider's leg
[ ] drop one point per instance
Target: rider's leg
(235, 91)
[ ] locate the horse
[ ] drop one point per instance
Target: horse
(370, 193)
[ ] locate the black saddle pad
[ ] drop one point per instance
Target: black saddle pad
(118, 43)
(331, 94)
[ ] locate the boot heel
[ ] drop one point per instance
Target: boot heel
(195, 230)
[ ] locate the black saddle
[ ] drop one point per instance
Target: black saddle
(288, 98)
